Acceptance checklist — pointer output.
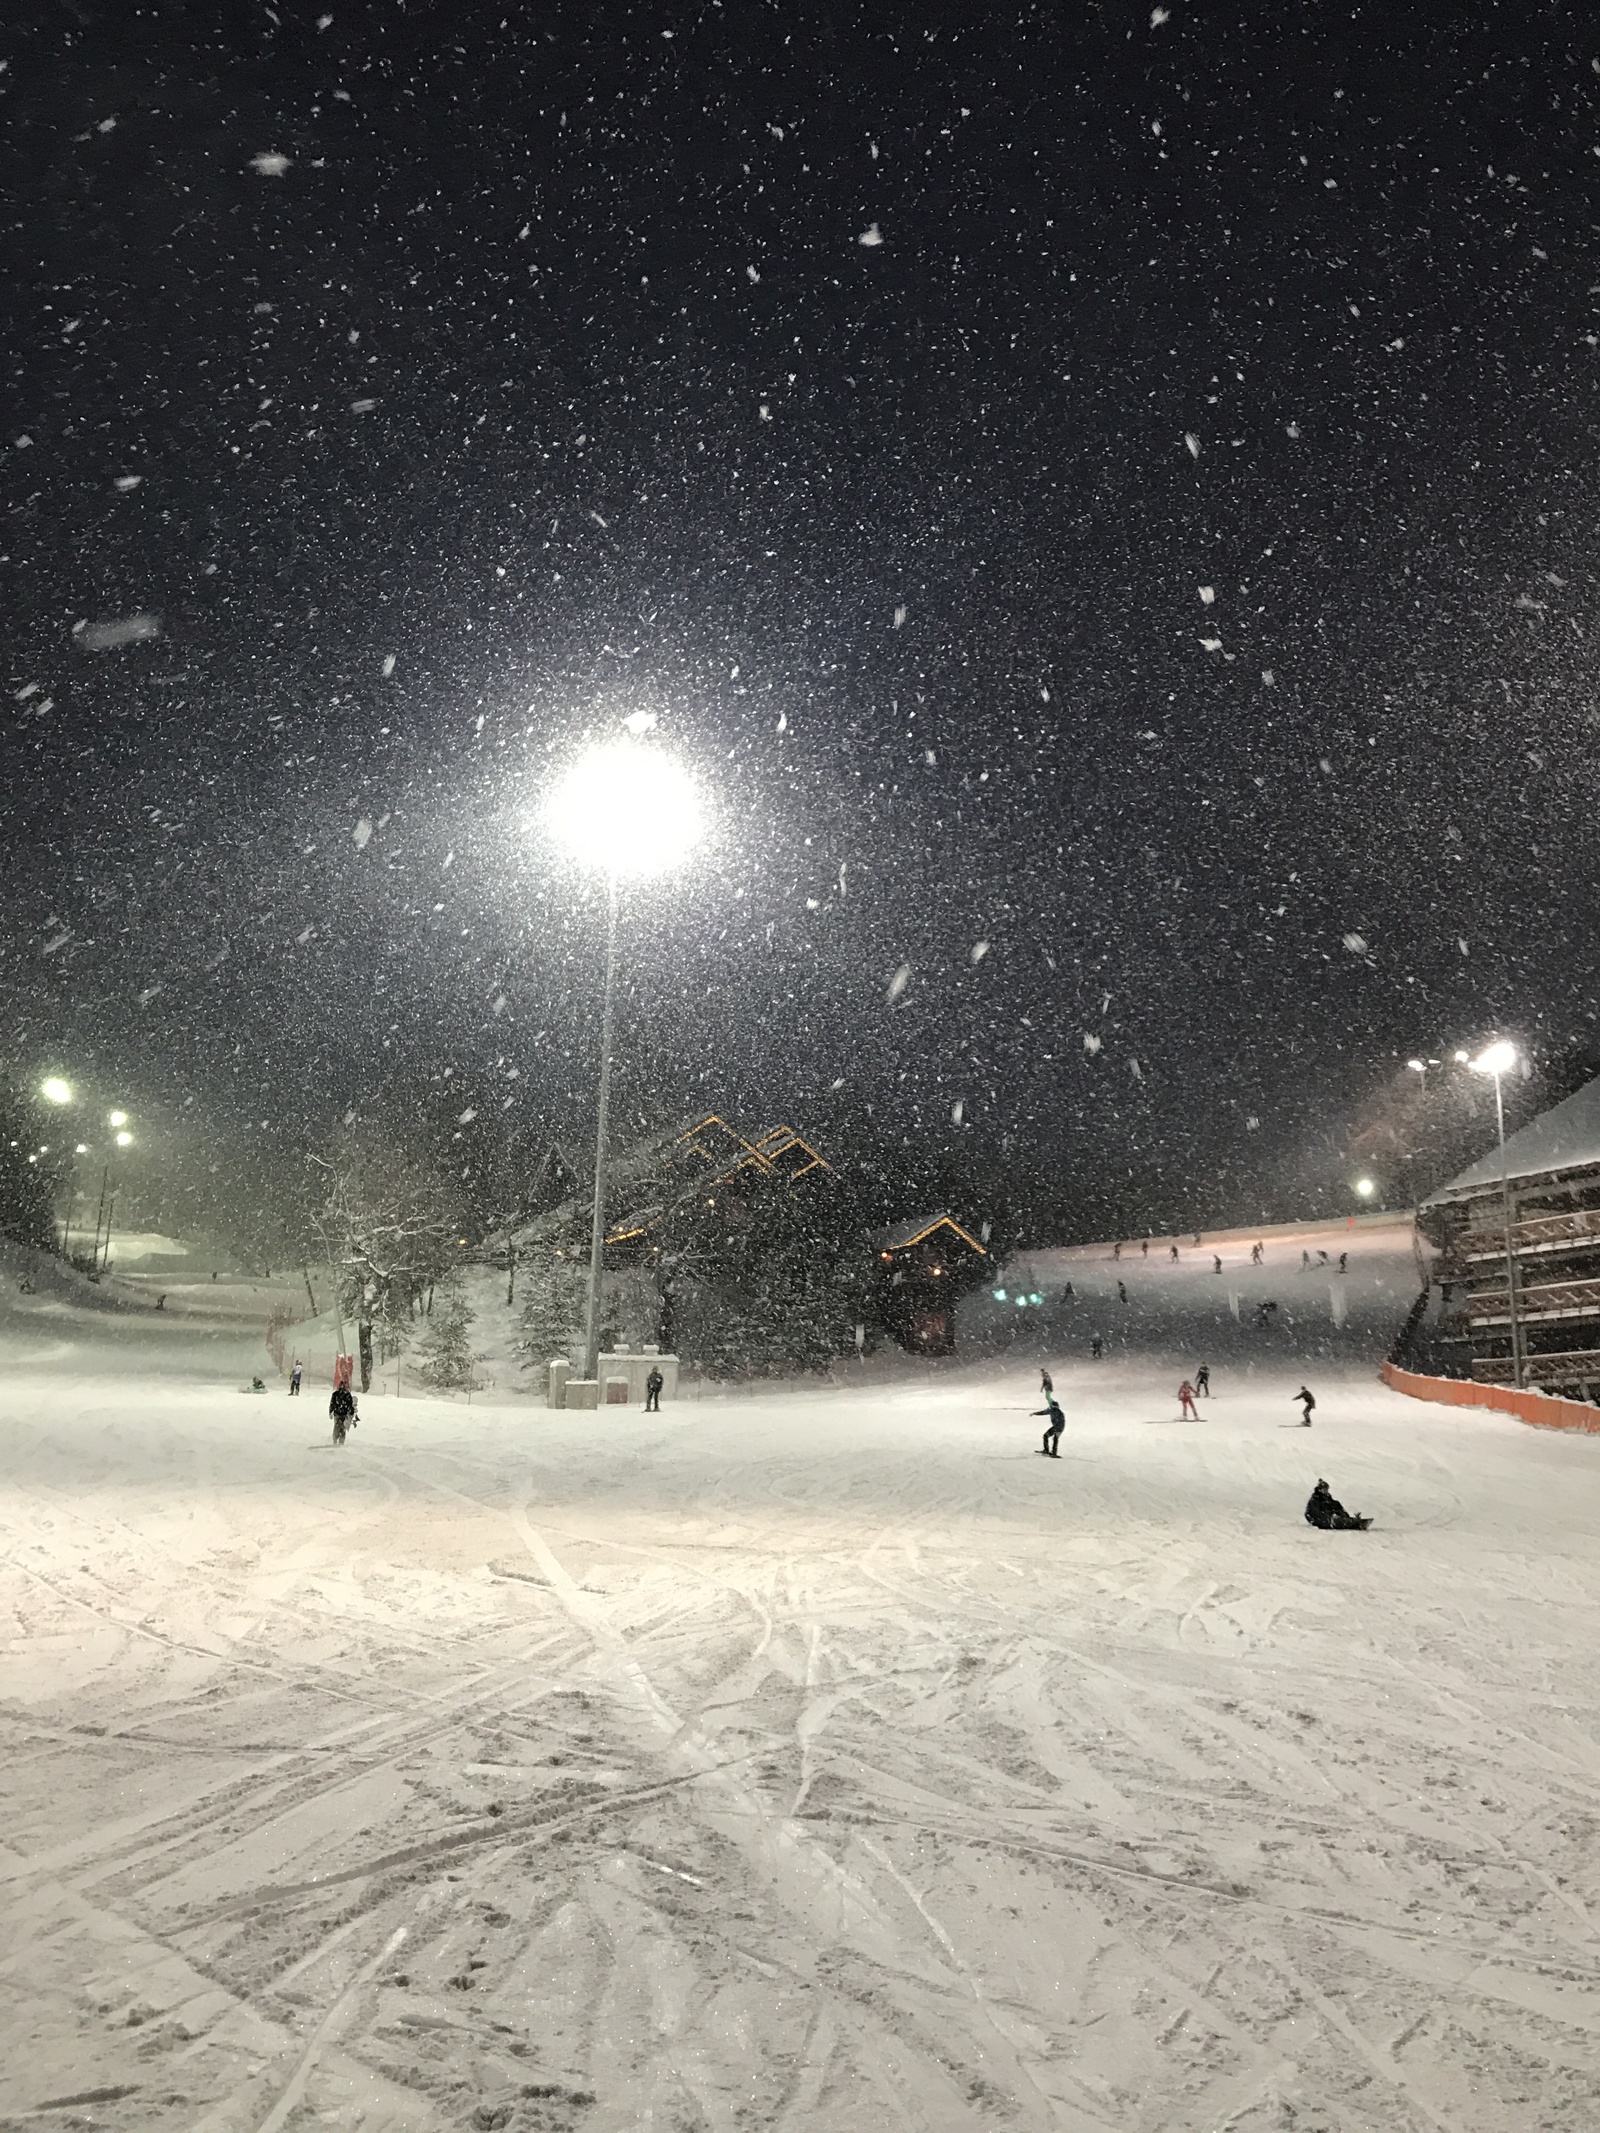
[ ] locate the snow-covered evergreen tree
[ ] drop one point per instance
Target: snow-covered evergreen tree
(445, 1357)
(553, 1290)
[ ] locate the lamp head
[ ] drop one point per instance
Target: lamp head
(626, 809)
(56, 1091)
(1499, 1058)
(1365, 1188)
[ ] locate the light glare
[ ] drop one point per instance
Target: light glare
(1500, 1058)
(119, 1118)
(124, 1140)
(627, 810)
(1365, 1187)
(55, 1090)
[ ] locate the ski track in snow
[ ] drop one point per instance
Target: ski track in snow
(805, 1758)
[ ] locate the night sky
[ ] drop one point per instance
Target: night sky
(873, 394)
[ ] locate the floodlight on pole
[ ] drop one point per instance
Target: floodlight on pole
(631, 812)
(1498, 1059)
(55, 1091)
(124, 1140)
(118, 1118)
(1365, 1188)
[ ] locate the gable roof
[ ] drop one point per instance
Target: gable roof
(905, 1234)
(1564, 1138)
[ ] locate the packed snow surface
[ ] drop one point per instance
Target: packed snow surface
(801, 1759)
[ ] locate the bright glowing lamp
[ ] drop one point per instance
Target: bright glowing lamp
(1418, 1066)
(124, 1140)
(1365, 1187)
(626, 809)
(119, 1118)
(1500, 1058)
(55, 1090)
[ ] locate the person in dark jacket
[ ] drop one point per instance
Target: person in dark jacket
(1202, 1381)
(1053, 1428)
(652, 1391)
(342, 1407)
(1323, 1509)
(1307, 1401)
(294, 1380)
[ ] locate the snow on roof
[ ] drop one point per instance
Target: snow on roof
(905, 1234)
(1565, 1138)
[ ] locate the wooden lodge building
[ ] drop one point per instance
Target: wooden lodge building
(1553, 1167)
(923, 1268)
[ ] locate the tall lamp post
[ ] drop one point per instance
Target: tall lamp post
(1498, 1060)
(627, 811)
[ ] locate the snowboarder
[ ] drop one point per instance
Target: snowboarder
(1344, 1262)
(342, 1407)
(652, 1391)
(1144, 1247)
(1216, 1262)
(1122, 1292)
(294, 1380)
(1305, 1261)
(1202, 1380)
(1066, 1294)
(1255, 1255)
(1307, 1402)
(1174, 1251)
(1046, 1383)
(1322, 1257)
(1116, 1250)
(1096, 1348)
(1324, 1509)
(1187, 1410)
(1053, 1428)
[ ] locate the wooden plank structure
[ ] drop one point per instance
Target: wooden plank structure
(1549, 1261)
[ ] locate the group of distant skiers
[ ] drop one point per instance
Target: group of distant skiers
(1323, 1508)
(342, 1407)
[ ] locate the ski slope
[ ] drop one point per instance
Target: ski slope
(795, 1759)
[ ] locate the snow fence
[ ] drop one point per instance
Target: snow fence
(1542, 1409)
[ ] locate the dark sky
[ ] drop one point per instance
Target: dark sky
(871, 394)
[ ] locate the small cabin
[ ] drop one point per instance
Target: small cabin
(923, 1268)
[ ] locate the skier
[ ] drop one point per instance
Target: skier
(1046, 1383)
(1344, 1262)
(1144, 1247)
(342, 1407)
(1187, 1410)
(1216, 1262)
(1174, 1251)
(1307, 1402)
(1122, 1292)
(1096, 1347)
(1202, 1380)
(1305, 1261)
(1066, 1294)
(1324, 1509)
(1116, 1250)
(1255, 1255)
(294, 1380)
(1053, 1428)
(652, 1391)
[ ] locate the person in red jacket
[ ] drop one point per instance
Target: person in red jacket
(1189, 1412)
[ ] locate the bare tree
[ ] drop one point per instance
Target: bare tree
(387, 1226)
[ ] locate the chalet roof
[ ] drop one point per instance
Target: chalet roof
(905, 1234)
(1562, 1139)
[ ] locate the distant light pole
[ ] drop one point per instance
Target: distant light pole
(628, 811)
(1498, 1060)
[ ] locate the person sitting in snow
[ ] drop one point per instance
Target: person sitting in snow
(1324, 1510)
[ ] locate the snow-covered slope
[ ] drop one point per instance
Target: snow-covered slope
(816, 1760)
